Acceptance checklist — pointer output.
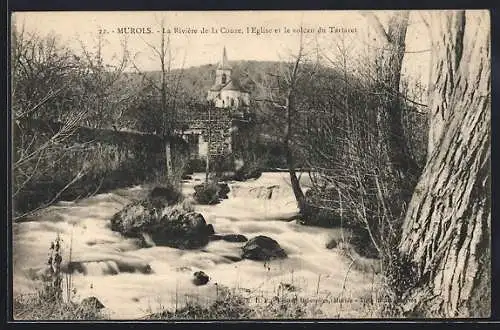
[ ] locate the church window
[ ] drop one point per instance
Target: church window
(232, 102)
(193, 138)
(224, 78)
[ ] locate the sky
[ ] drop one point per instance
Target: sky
(236, 30)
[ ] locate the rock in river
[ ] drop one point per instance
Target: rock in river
(233, 238)
(168, 225)
(263, 248)
(331, 244)
(206, 194)
(200, 278)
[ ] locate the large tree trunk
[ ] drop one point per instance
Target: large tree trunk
(447, 226)
(391, 109)
(392, 141)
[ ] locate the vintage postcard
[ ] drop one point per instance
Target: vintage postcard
(251, 165)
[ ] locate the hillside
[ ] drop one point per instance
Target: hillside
(196, 81)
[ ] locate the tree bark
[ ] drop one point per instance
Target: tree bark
(447, 227)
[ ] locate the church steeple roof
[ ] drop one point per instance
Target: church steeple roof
(233, 85)
(224, 63)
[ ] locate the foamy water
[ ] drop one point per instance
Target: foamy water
(132, 281)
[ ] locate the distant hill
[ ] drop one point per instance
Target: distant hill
(195, 81)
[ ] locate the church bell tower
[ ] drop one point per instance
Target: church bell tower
(223, 72)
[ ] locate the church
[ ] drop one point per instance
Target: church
(227, 91)
(211, 130)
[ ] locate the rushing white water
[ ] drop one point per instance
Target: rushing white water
(132, 281)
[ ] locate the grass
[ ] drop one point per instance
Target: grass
(228, 305)
(33, 306)
(286, 301)
(231, 305)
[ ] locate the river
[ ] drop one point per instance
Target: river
(113, 267)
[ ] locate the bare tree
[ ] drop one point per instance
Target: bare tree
(283, 97)
(167, 88)
(447, 227)
(44, 79)
(108, 90)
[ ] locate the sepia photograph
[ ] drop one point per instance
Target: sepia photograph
(250, 165)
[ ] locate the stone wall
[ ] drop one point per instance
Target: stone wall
(100, 159)
(218, 124)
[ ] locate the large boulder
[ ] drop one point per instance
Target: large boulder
(135, 217)
(168, 225)
(206, 194)
(263, 248)
(210, 193)
(181, 230)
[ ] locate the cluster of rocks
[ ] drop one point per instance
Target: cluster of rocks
(211, 193)
(167, 223)
(260, 248)
(161, 218)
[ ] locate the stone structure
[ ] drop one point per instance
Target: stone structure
(227, 103)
